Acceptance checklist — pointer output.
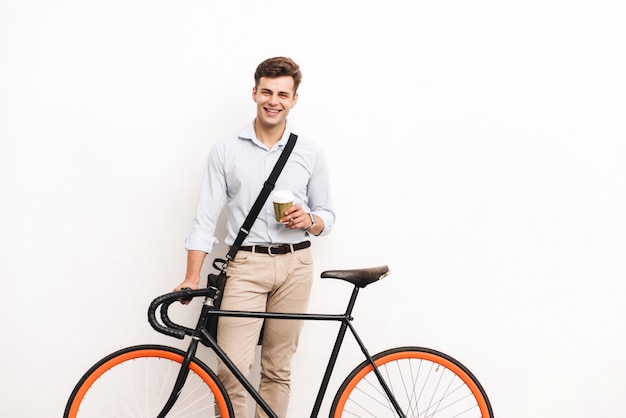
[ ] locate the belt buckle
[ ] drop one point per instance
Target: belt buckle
(269, 249)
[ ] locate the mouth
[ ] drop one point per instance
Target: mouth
(272, 112)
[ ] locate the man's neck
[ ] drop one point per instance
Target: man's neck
(268, 135)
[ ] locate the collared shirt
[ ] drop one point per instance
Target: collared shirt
(234, 175)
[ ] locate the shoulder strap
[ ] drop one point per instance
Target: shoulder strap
(268, 186)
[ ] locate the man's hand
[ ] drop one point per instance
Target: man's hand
(187, 284)
(296, 218)
(195, 258)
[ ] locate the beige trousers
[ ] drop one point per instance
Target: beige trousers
(260, 282)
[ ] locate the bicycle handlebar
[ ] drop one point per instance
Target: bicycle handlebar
(170, 328)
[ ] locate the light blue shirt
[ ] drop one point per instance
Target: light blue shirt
(236, 169)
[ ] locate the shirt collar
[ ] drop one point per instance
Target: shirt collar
(248, 133)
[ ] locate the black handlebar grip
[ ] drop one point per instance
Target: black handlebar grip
(170, 328)
(165, 319)
(176, 333)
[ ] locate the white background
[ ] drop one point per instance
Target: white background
(476, 147)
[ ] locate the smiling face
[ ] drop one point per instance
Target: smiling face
(274, 98)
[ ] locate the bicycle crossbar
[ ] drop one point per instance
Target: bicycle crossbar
(279, 315)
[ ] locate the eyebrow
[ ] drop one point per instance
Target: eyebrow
(266, 90)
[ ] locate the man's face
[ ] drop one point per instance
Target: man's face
(274, 98)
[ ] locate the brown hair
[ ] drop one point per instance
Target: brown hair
(278, 67)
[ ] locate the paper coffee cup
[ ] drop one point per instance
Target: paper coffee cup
(283, 200)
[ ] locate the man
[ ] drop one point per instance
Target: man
(261, 278)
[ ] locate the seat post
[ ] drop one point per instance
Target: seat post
(352, 302)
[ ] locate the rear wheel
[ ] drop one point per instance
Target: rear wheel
(424, 382)
(137, 381)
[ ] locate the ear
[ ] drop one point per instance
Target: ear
(254, 94)
(295, 100)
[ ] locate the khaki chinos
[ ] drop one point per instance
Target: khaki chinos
(272, 283)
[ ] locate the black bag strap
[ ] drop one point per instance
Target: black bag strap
(268, 186)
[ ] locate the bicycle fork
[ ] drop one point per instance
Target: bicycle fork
(184, 367)
(180, 379)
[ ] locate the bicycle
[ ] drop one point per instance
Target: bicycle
(158, 380)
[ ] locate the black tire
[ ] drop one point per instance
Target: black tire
(136, 382)
(425, 383)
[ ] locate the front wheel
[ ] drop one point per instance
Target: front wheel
(137, 381)
(424, 382)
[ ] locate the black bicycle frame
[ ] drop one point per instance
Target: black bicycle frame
(208, 340)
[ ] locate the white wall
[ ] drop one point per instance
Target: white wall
(477, 148)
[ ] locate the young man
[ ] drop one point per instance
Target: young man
(261, 278)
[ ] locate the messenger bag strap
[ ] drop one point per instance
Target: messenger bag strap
(268, 186)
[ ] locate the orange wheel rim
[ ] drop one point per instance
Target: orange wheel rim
(434, 358)
(137, 354)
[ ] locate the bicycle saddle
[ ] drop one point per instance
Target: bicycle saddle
(358, 277)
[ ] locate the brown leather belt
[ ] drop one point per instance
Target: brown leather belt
(276, 249)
